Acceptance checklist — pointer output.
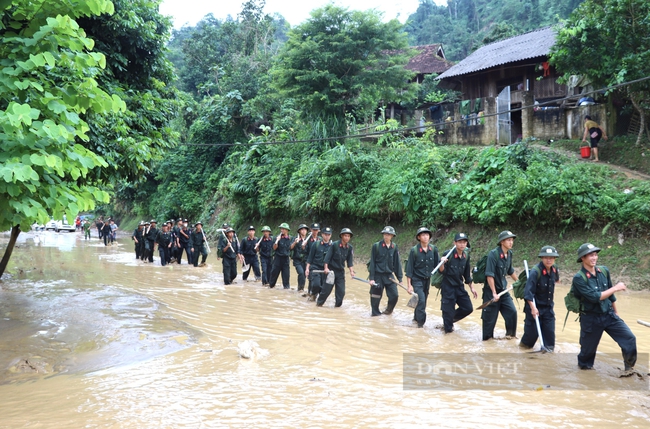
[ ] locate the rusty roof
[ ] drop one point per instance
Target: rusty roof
(429, 59)
(533, 44)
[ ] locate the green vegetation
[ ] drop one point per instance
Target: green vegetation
(619, 151)
(607, 42)
(465, 25)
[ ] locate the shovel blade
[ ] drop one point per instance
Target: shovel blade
(413, 302)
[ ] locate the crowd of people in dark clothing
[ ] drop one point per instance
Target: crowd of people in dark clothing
(320, 265)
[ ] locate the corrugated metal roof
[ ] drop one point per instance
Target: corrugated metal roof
(529, 45)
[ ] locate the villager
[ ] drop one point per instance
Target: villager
(539, 294)
(593, 286)
(456, 272)
(338, 255)
(384, 264)
(595, 133)
(422, 260)
(499, 265)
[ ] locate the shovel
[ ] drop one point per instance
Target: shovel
(543, 348)
(486, 303)
(641, 322)
(330, 276)
(413, 302)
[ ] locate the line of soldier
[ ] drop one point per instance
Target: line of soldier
(321, 262)
(171, 241)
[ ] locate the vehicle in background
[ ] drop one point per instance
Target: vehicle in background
(58, 225)
(37, 227)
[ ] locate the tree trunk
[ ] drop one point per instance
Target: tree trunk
(10, 248)
(639, 109)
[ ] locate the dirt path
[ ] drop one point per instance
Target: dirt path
(630, 174)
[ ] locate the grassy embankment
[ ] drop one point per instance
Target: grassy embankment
(618, 151)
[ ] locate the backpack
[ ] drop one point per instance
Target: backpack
(478, 275)
(519, 287)
(436, 279)
(572, 302)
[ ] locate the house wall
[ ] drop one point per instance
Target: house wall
(576, 118)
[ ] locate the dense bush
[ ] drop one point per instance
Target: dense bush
(423, 183)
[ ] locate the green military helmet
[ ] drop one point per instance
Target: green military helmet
(198, 223)
(152, 221)
(302, 226)
(284, 225)
(346, 231)
(266, 228)
(389, 230)
(505, 235)
(548, 251)
(586, 249)
(229, 230)
(422, 230)
(225, 226)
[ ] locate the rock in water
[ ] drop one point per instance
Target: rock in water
(248, 349)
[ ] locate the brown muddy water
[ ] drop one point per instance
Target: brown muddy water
(91, 338)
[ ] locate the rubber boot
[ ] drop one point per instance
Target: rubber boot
(374, 306)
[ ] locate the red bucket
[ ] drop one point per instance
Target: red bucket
(585, 151)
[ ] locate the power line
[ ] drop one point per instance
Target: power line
(429, 125)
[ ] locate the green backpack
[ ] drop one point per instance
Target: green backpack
(572, 302)
(478, 275)
(519, 287)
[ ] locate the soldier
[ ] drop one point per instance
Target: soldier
(593, 286)
(298, 256)
(164, 241)
(230, 253)
(282, 247)
(339, 254)
(184, 242)
(538, 293)
(137, 238)
(248, 252)
(307, 245)
(454, 271)
(198, 243)
(265, 248)
(106, 232)
(499, 265)
(384, 261)
(316, 261)
(152, 233)
(422, 259)
(86, 227)
(144, 243)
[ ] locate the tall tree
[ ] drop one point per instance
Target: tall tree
(47, 84)
(341, 61)
(607, 41)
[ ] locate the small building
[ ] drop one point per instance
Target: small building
(429, 59)
(510, 91)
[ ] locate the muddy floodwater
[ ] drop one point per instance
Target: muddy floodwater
(92, 338)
